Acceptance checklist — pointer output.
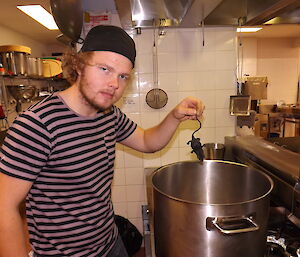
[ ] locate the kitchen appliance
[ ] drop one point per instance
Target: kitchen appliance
(280, 159)
(200, 209)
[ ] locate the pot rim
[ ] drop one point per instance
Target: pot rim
(214, 204)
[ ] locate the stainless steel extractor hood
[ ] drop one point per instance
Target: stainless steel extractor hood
(190, 13)
(163, 13)
(255, 12)
(177, 13)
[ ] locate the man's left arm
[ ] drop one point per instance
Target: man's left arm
(155, 138)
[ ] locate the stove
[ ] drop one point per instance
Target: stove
(280, 159)
(283, 236)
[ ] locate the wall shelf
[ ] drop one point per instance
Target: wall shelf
(43, 86)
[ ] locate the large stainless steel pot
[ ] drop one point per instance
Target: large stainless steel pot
(214, 209)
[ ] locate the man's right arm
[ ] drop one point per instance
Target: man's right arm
(12, 240)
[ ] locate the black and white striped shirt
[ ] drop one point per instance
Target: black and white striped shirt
(70, 160)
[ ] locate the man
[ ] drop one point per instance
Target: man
(59, 155)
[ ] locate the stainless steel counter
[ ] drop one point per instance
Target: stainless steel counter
(280, 163)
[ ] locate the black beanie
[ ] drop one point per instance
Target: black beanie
(110, 38)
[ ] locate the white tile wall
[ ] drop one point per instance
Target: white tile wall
(185, 68)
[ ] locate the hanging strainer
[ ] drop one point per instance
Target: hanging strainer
(156, 98)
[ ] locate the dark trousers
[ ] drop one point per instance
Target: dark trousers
(118, 250)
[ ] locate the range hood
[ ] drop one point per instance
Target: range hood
(163, 13)
(255, 12)
(177, 13)
(191, 13)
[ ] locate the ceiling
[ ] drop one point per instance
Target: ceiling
(16, 20)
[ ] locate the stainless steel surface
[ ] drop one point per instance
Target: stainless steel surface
(32, 68)
(282, 164)
(235, 225)
(188, 194)
(35, 67)
(15, 63)
(68, 15)
(190, 13)
(289, 143)
(249, 12)
(285, 162)
(163, 13)
(214, 151)
(146, 230)
(22, 93)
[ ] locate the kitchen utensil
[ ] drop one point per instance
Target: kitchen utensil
(68, 15)
(196, 144)
(156, 98)
(214, 208)
(21, 94)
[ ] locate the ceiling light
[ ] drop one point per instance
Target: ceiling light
(38, 13)
(248, 29)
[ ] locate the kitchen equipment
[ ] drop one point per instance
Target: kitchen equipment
(274, 157)
(256, 87)
(156, 98)
(214, 208)
(240, 105)
(214, 151)
(280, 159)
(35, 67)
(21, 94)
(14, 59)
(68, 16)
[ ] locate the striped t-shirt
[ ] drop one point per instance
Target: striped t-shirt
(70, 160)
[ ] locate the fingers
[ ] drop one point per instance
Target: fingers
(189, 109)
(196, 107)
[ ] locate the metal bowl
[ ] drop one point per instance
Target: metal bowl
(22, 93)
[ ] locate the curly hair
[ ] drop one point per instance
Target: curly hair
(72, 62)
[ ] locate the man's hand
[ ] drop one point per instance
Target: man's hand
(154, 139)
(188, 109)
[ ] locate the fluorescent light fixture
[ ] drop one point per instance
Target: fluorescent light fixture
(248, 29)
(38, 13)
